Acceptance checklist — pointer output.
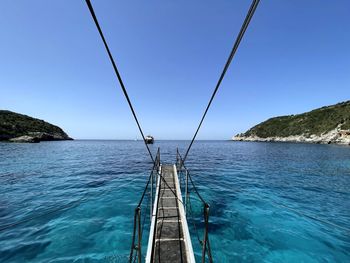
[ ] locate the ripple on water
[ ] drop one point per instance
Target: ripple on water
(259, 194)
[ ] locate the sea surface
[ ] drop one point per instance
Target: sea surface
(74, 201)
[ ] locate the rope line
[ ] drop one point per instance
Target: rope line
(118, 75)
(144, 214)
(138, 216)
(206, 250)
(191, 213)
(156, 164)
(189, 176)
(244, 27)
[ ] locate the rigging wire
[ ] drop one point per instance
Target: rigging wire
(244, 27)
(85, 197)
(91, 9)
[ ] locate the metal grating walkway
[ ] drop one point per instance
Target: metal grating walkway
(171, 241)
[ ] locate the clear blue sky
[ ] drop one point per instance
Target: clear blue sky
(294, 57)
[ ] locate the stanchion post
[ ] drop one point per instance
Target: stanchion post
(151, 203)
(186, 190)
(139, 234)
(206, 220)
(133, 238)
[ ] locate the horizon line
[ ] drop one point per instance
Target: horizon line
(80, 139)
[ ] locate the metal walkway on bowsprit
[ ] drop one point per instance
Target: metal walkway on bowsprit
(166, 211)
(169, 240)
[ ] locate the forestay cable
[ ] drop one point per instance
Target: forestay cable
(118, 75)
(244, 27)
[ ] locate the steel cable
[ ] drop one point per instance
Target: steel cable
(118, 75)
(244, 27)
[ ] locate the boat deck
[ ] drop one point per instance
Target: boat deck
(169, 240)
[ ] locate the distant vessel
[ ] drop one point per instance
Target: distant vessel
(149, 139)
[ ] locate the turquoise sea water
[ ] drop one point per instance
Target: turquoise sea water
(269, 202)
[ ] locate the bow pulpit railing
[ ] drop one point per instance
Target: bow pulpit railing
(139, 219)
(187, 181)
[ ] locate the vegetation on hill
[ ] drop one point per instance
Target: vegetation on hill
(316, 122)
(14, 125)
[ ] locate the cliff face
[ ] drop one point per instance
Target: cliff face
(22, 128)
(330, 124)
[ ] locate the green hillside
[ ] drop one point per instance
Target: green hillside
(14, 125)
(316, 122)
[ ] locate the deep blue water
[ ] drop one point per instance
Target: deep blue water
(269, 202)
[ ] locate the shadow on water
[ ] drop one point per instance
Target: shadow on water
(97, 183)
(24, 252)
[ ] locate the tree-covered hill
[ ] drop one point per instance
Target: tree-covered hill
(13, 125)
(315, 122)
(330, 124)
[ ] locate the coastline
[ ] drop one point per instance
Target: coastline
(336, 136)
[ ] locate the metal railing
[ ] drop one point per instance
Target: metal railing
(206, 251)
(138, 226)
(136, 245)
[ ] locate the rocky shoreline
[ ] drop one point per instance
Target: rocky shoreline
(336, 136)
(35, 137)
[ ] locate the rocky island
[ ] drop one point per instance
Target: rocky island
(15, 127)
(330, 124)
